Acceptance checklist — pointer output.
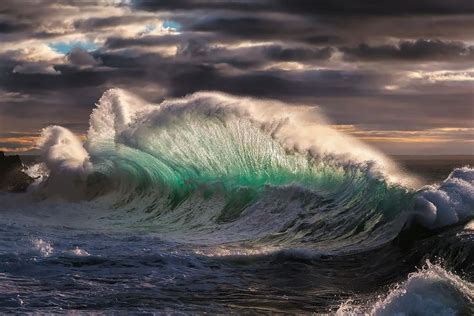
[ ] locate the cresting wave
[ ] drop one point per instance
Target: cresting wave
(240, 149)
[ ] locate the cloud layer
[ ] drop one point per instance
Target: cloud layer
(399, 73)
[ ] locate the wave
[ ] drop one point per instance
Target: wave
(220, 165)
(449, 202)
(429, 291)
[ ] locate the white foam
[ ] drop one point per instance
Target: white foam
(37, 171)
(78, 252)
(43, 247)
(430, 291)
(62, 150)
(223, 251)
(115, 110)
(449, 202)
(470, 225)
(66, 159)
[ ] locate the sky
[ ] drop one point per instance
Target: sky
(396, 74)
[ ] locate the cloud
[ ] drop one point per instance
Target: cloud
(412, 50)
(400, 7)
(344, 7)
(12, 27)
(35, 68)
(80, 57)
(441, 75)
(377, 65)
(92, 24)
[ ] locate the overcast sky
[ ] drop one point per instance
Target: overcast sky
(397, 74)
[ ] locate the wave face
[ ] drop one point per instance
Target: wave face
(249, 155)
(257, 183)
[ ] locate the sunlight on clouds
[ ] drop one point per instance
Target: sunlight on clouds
(287, 66)
(21, 144)
(32, 51)
(443, 75)
(434, 135)
(18, 144)
(9, 96)
(244, 44)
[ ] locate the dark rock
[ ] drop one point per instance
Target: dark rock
(12, 177)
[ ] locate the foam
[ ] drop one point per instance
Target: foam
(43, 247)
(430, 291)
(449, 202)
(115, 110)
(66, 159)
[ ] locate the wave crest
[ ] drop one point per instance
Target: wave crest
(213, 144)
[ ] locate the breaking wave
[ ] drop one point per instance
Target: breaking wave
(257, 182)
(243, 152)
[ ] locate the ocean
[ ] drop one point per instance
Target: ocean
(226, 205)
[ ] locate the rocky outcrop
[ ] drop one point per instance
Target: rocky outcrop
(12, 178)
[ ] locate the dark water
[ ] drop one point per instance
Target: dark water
(58, 257)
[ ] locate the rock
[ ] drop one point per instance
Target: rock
(12, 178)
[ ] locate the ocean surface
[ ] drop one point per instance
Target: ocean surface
(225, 205)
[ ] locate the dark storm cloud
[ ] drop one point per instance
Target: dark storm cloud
(284, 85)
(149, 41)
(400, 7)
(11, 27)
(276, 52)
(321, 21)
(418, 50)
(38, 82)
(326, 29)
(97, 23)
(239, 5)
(245, 27)
(249, 57)
(22, 16)
(319, 7)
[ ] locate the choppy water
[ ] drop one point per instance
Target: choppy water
(219, 204)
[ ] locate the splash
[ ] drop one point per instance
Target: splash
(66, 160)
(123, 119)
(43, 247)
(449, 202)
(429, 291)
